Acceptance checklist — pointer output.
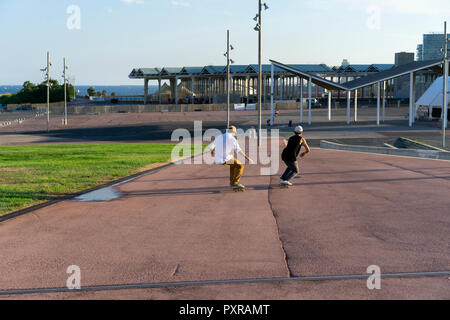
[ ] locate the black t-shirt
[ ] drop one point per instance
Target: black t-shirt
(290, 153)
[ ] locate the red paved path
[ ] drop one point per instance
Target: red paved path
(349, 211)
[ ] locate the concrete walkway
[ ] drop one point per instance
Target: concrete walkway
(347, 211)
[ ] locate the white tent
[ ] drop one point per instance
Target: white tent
(433, 96)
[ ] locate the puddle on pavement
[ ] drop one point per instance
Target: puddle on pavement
(104, 194)
(101, 195)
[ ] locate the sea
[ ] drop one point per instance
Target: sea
(124, 90)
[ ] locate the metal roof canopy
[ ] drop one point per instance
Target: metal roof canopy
(395, 72)
(364, 81)
(251, 69)
(330, 85)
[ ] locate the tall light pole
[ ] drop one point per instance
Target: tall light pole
(258, 28)
(47, 79)
(229, 62)
(48, 90)
(65, 93)
(445, 81)
(228, 79)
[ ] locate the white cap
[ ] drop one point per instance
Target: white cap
(298, 129)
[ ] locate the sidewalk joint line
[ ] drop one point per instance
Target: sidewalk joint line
(218, 282)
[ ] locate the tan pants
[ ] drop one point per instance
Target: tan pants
(236, 171)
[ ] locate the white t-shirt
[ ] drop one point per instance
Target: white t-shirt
(225, 146)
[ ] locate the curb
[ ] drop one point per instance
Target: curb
(425, 154)
(421, 145)
(24, 211)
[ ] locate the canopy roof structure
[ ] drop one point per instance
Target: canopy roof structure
(434, 95)
(394, 73)
(376, 78)
(365, 81)
(317, 80)
(252, 69)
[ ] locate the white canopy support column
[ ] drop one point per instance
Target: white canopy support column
(264, 88)
(356, 105)
(159, 90)
(231, 84)
(247, 84)
(445, 88)
(310, 101)
(146, 90)
(176, 90)
(412, 97)
(301, 100)
(349, 95)
(384, 101)
(330, 94)
(192, 90)
(378, 102)
(272, 76)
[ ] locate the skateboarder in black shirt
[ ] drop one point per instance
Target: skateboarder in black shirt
(290, 154)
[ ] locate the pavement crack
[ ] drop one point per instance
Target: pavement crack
(175, 270)
(275, 215)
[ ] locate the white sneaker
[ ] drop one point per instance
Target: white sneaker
(288, 183)
(285, 182)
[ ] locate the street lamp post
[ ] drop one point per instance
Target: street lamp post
(258, 28)
(48, 90)
(444, 79)
(228, 78)
(229, 62)
(259, 71)
(65, 93)
(47, 80)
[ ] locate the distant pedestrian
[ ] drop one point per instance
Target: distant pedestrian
(290, 155)
(224, 149)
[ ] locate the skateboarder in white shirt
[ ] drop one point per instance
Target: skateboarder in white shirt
(223, 149)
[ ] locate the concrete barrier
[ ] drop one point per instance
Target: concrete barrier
(57, 108)
(426, 154)
(403, 142)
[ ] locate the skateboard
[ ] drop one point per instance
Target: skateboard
(282, 186)
(238, 189)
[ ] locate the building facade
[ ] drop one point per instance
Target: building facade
(401, 84)
(419, 54)
(431, 48)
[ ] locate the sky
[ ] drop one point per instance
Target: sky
(103, 40)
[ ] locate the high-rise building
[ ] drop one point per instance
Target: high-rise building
(431, 48)
(403, 58)
(419, 56)
(401, 84)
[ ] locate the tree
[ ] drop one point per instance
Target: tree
(32, 93)
(104, 93)
(28, 86)
(91, 92)
(113, 94)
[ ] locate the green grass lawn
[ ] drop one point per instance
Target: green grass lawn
(33, 174)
